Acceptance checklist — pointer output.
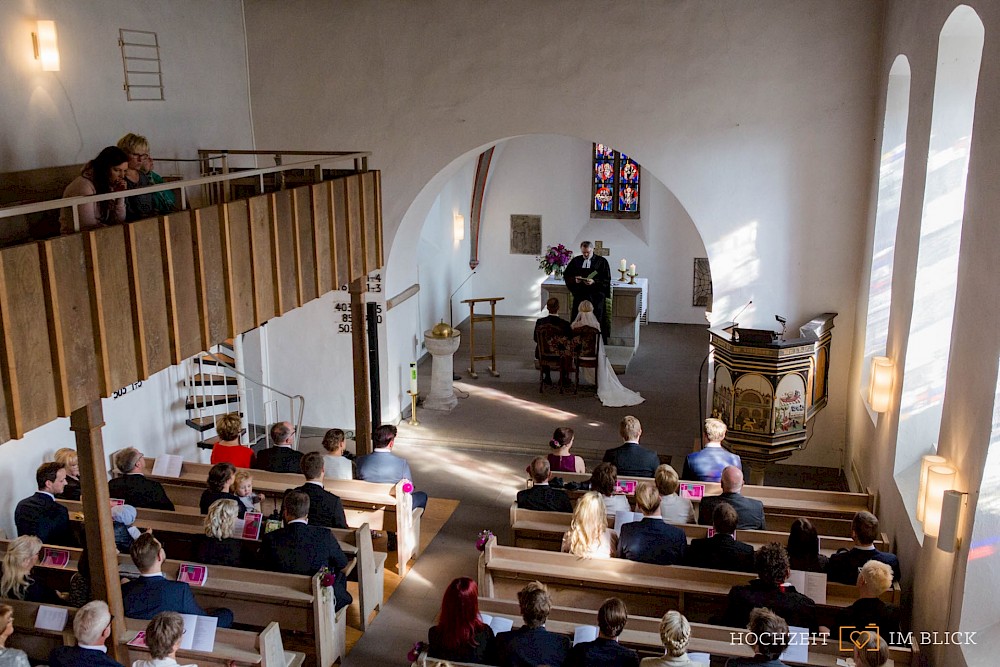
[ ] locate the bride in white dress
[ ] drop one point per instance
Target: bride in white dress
(611, 392)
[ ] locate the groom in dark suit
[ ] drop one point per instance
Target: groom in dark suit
(584, 288)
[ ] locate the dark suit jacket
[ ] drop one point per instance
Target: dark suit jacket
(633, 460)
(299, 548)
(72, 489)
(600, 290)
(325, 508)
(794, 607)
(844, 565)
(652, 540)
(602, 653)
(74, 656)
(220, 552)
(869, 611)
(138, 491)
(720, 552)
(708, 464)
(544, 499)
(40, 515)
(554, 320)
(208, 496)
(146, 597)
(749, 510)
(278, 459)
(527, 647)
(468, 653)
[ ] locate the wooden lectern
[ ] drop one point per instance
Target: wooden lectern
(492, 319)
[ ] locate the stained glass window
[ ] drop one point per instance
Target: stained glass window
(615, 191)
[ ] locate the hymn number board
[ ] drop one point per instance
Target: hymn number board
(343, 308)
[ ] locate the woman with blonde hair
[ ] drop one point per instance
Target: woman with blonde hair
(588, 535)
(675, 632)
(229, 449)
(218, 546)
(9, 657)
(16, 580)
(67, 457)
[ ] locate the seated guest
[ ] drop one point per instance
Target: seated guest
(9, 657)
(541, 496)
(651, 540)
(299, 548)
(560, 460)
(137, 207)
(123, 516)
(631, 459)
(708, 464)
(588, 535)
(67, 457)
(229, 449)
(152, 593)
(218, 546)
(871, 651)
(769, 590)
(604, 480)
(772, 638)
(675, 633)
(129, 482)
(40, 515)
(163, 637)
(325, 508)
(243, 488)
(220, 483)
(335, 464)
(460, 634)
(750, 510)
(102, 175)
(15, 579)
(552, 318)
(531, 644)
(280, 457)
(163, 201)
(721, 551)
(79, 583)
(844, 564)
(874, 579)
(385, 467)
(803, 547)
(673, 508)
(605, 651)
(92, 628)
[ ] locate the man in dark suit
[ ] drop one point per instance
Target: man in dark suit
(768, 591)
(772, 638)
(541, 496)
(605, 650)
(131, 485)
(325, 508)
(749, 510)
(92, 627)
(707, 465)
(631, 459)
(280, 457)
(299, 548)
(552, 306)
(845, 565)
(721, 551)
(40, 515)
(385, 467)
(651, 540)
(152, 593)
(584, 287)
(531, 644)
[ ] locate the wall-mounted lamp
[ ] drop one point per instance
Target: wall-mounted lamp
(940, 478)
(46, 45)
(926, 462)
(880, 384)
(952, 508)
(459, 227)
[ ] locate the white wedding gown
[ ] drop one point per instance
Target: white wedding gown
(610, 390)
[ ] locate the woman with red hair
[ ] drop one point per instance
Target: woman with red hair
(460, 634)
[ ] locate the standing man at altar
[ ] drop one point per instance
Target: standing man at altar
(588, 278)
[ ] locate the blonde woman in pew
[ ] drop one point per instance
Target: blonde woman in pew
(673, 508)
(588, 535)
(9, 657)
(218, 546)
(67, 457)
(675, 632)
(16, 580)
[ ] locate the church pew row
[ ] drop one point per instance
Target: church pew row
(256, 597)
(649, 590)
(240, 646)
(643, 634)
(179, 532)
(381, 506)
(533, 529)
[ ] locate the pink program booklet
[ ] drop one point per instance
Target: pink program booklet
(251, 525)
(55, 557)
(627, 487)
(117, 501)
(692, 491)
(195, 575)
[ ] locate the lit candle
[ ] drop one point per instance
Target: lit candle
(413, 377)
(622, 266)
(631, 269)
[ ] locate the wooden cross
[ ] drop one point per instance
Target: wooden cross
(600, 250)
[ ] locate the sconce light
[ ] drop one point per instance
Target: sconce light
(459, 227)
(952, 508)
(46, 45)
(940, 478)
(926, 462)
(880, 384)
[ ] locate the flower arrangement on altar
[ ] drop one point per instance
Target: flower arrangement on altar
(555, 260)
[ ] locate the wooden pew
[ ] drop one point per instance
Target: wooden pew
(179, 532)
(245, 648)
(649, 590)
(381, 506)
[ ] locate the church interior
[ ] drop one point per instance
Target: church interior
(823, 157)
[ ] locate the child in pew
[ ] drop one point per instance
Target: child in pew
(9, 657)
(243, 487)
(125, 533)
(163, 637)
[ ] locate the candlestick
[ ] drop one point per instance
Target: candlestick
(413, 377)
(413, 408)
(631, 280)
(623, 273)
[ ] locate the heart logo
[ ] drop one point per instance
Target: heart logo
(860, 638)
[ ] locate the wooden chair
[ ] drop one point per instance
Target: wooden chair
(552, 344)
(585, 352)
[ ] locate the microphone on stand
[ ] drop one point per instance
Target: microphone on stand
(782, 321)
(742, 310)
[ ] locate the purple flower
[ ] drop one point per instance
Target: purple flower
(484, 537)
(418, 648)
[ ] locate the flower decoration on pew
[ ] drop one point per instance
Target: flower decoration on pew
(418, 648)
(407, 486)
(484, 537)
(327, 578)
(555, 260)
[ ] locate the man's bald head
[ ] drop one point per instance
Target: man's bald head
(732, 479)
(539, 470)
